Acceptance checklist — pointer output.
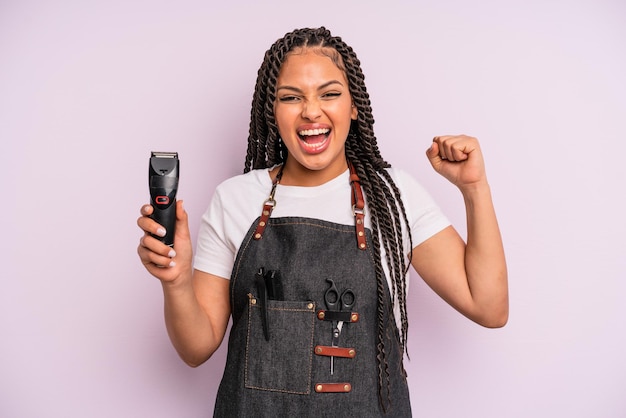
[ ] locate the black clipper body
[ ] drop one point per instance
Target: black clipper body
(163, 180)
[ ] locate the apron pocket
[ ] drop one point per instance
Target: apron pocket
(270, 365)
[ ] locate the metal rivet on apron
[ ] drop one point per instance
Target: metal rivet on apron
(359, 221)
(354, 317)
(253, 301)
(262, 223)
(318, 350)
(361, 233)
(257, 235)
(346, 388)
(362, 245)
(310, 306)
(352, 353)
(321, 315)
(266, 212)
(319, 388)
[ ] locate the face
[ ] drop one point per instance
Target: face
(313, 110)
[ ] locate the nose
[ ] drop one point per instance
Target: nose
(311, 110)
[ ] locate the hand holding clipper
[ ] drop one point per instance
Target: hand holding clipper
(163, 181)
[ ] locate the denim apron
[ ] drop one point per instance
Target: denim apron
(278, 362)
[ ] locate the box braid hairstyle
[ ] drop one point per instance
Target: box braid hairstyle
(266, 149)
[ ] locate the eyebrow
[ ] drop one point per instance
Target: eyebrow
(323, 86)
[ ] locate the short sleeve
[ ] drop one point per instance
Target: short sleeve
(425, 217)
(214, 253)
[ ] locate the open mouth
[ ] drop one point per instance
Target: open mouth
(314, 140)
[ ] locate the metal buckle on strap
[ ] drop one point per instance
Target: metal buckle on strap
(268, 207)
(357, 211)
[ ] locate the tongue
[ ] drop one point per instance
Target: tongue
(314, 139)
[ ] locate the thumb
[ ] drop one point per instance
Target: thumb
(182, 220)
(433, 155)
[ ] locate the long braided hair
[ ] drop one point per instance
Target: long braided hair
(266, 149)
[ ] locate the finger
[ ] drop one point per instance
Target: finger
(455, 147)
(156, 246)
(152, 262)
(153, 252)
(441, 143)
(433, 152)
(182, 222)
(434, 156)
(462, 146)
(458, 151)
(181, 215)
(148, 225)
(146, 210)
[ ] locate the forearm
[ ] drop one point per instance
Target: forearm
(189, 327)
(485, 262)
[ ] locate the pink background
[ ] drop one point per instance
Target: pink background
(88, 89)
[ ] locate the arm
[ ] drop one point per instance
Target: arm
(471, 277)
(197, 305)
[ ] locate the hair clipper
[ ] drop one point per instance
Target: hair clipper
(163, 180)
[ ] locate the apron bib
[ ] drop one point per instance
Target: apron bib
(278, 362)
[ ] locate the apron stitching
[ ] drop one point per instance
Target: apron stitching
(310, 379)
(248, 338)
(311, 350)
(236, 273)
(314, 224)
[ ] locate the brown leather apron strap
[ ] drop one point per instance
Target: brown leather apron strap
(268, 206)
(333, 387)
(358, 208)
(328, 351)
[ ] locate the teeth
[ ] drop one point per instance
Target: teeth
(311, 132)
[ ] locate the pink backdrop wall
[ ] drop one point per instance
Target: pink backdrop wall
(88, 89)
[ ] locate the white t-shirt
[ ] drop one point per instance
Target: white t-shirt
(238, 201)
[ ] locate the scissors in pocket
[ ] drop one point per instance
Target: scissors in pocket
(336, 302)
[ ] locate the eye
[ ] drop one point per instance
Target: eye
(331, 95)
(288, 99)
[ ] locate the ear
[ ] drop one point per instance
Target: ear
(354, 113)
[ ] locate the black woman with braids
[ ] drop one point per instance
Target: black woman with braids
(309, 249)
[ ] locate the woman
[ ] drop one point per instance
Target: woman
(315, 281)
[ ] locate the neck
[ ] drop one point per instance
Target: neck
(297, 175)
